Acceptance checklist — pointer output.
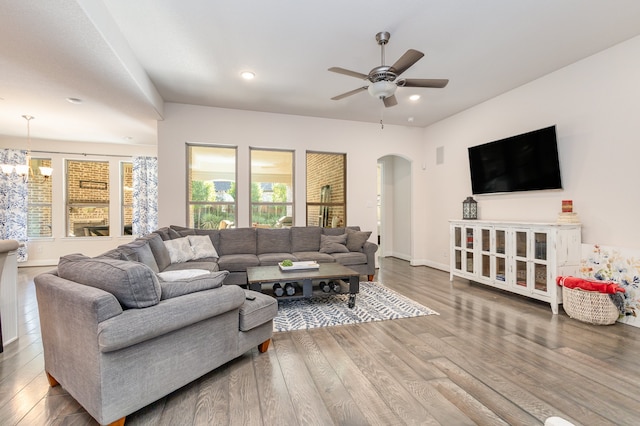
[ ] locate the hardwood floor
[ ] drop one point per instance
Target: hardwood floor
(489, 358)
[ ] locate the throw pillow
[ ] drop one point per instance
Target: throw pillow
(202, 246)
(139, 253)
(134, 284)
(333, 244)
(356, 239)
(172, 287)
(179, 250)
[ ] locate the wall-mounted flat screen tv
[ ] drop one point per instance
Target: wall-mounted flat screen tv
(526, 162)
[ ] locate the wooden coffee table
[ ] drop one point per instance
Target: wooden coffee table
(259, 275)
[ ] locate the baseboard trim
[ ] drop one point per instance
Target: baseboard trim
(400, 256)
(430, 264)
(41, 262)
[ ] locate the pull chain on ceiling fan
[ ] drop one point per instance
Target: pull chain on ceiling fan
(383, 78)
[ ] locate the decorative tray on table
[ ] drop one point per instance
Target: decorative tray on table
(300, 265)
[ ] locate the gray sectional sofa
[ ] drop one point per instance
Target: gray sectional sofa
(239, 248)
(126, 328)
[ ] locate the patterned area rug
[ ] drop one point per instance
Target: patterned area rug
(375, 302)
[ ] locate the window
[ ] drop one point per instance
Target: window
(87, 196)
(326, 189)
(39, 200)
(271, 188)
(126, 197)
(212, 187)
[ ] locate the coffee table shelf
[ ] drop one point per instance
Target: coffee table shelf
(258, 276)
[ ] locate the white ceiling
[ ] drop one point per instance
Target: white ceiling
(125, 58)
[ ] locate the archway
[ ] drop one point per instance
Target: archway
(394, 207)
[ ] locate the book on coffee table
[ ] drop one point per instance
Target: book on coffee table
(300, 265)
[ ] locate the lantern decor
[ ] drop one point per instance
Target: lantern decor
(469, 208)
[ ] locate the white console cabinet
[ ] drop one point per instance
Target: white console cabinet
(523, 258)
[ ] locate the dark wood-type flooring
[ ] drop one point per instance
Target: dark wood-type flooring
(489, 358)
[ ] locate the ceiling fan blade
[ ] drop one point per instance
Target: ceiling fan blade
(437, 83)
(390, 101)
(352, 92)
(348, 72)
(410, 57)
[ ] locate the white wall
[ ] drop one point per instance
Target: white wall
(595, 105)
(363, 143)
(46, 251)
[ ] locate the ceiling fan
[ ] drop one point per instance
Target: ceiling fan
(383, 78)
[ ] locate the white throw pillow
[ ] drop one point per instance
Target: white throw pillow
(183, 274)
(202, 246)
(179, 250)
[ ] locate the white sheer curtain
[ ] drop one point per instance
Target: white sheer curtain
(13, 202)
(145, 195)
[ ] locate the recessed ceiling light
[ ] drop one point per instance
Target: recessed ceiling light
(414, 97)
(410, 119)
(74, 100)
(248, 75)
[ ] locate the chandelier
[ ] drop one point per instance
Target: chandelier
(24, 170)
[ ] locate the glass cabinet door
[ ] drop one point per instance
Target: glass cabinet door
(469, 237)
(501, 268)
(521, 273)
(469, 265)
(540, 245)
(486, 266)
(458, 260)
(485, 236)
(500, 241)
(540, 277)
(457, 238)
(521, 244)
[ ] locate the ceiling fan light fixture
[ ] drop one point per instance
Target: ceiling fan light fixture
(382, 89)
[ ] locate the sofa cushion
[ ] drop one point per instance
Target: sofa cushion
(271, 259)
(139, 253)
(134, 284)
(339, 231)
(350, 258)
(135, 326)
(314, 255)
(305, 238)
(179, 250)
(333, 244)
(163, 233)
(181, 231)
(237, 262)
(237, 241)
(179, 283)
(261, 309)
(273, 240)
(333, 231)
(356, 239)
(202, 247)
(181, 274)
(159, 250)
(208, 265)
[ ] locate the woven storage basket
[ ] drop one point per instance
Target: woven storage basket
(589, 306)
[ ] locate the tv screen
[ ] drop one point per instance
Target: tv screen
(526, 162)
